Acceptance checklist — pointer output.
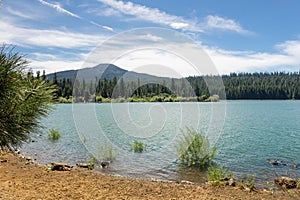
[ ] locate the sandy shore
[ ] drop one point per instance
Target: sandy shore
(20, 179)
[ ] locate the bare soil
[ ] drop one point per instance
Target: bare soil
(20, 179)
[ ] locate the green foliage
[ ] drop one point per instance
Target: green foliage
(217, 173)
(249, 181)
(213, 98)
(53, 135)
(138, 147)
(65, 100)
(298, 184)
(193, 149)
(91, 165)
(24, 99)
(107, 153)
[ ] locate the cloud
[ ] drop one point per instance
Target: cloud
(46, 38)
(286, 59)
(102, 26)
(18, 13)
(58, 8)
(216, 22)
(151, 37)
(153, 15)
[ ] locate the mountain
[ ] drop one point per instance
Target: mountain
(107, 71)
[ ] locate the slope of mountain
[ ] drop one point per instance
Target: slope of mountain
(107, 71)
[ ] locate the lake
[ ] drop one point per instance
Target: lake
(246, 133)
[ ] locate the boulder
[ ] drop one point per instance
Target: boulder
(286, 182)
(60, 167)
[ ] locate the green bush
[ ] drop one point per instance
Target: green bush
(24, 99)
(54, 135)
(217, 173)
(138, 147)
(193, 149)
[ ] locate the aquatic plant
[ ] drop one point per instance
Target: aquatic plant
(194, 150)
(138, 147)
(107, 153)
(54, 135)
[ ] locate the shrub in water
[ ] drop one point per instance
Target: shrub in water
(193, 149)
(138, 147)
(217, 173)
(54, 135)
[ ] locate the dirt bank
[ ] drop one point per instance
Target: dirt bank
(20, 179)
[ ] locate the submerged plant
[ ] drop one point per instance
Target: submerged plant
(54, 135)
(193, 149)
(138, 147)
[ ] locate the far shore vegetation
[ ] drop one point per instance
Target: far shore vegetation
(275, 85)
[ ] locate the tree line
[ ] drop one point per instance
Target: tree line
(275, 85)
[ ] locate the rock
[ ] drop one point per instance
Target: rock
(60, 167)
(231, 182)
(85, 165)
(104, 164)
(286, 182)
(187, 182)
(28, 159)
(275, 162)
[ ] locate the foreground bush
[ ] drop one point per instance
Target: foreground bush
(24, 99)
(193, 149)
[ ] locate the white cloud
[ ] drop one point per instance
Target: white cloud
(179, 25)
(51, 66)
(153, 15)
(18, 13)
(59, 8)
(216, 22)
(13, 34)
(102, 26)
(161, 61)
(151, 37)
(287, 59)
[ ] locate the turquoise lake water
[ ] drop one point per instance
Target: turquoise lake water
(246, 133)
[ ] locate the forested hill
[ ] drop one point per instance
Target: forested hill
(276, 85)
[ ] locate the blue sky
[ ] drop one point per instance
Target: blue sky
(238, 36)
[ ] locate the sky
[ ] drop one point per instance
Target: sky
(237, 36)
